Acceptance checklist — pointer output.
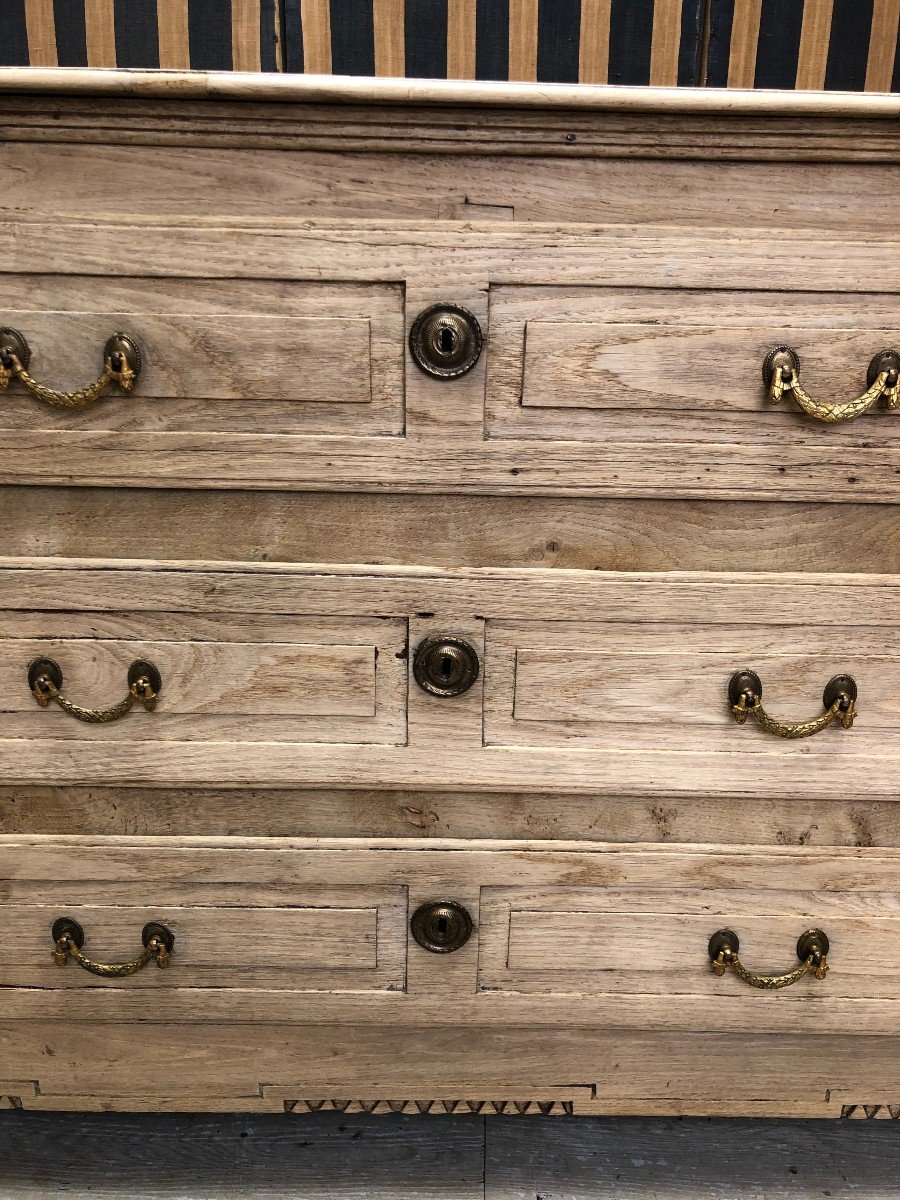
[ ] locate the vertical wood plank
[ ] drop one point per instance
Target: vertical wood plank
(41, 26)
(882, 46)
(174, 38)
(666, 43)
(594, 47)
(523, 40)
(100, 25)
(461, 15)
(245, 48)
(316, 18)
(390, 40)
(744, 43)
(815, 36)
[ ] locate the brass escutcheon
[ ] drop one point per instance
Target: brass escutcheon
(445, 341)
(442, 926)
(445, 666)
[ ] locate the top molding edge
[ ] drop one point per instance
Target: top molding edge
(345, 89)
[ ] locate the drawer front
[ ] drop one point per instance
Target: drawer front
(562, 935)
(577, 682)
(657, 367)
(224, 679)
(235, 357)
(613, 362)
(661, 685)
(350, 939)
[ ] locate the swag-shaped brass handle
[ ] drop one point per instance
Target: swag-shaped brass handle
(45, 679)
(68, 938)
(781, 373)
(839, 699)
(812, 951)
(121, 366)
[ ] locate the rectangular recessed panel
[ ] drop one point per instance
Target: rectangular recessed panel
(662, 367)
(262, 680)
(218, 356)
(647, 941)
(663, 686)
(310, 945)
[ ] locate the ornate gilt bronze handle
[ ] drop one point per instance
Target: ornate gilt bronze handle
(121, 365)
(45, 679)
(812, 951)
(839, 698)
(781, 373)
(68, 938)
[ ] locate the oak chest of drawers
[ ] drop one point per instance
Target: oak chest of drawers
(450, 653)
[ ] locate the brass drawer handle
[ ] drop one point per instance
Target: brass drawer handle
(45, 679)
(781, 373)
(812, 951)
(121, 365)
(839, 699)
(68, 938)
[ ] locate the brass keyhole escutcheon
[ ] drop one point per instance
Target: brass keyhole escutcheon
(445, 341)
(445, 666)
(442, 926)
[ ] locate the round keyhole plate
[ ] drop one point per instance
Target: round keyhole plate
(445, 666)
(445, 341)
(442, 926)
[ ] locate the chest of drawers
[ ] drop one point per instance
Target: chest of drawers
(450, 657)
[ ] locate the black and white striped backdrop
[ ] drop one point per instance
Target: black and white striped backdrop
(833, 44)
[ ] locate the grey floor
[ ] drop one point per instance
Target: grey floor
(329, 1156)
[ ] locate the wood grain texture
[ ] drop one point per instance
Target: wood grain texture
(40, 25)
(328, 1156)
(363, 813)
(744, 43)
(48, 183)
(234, 85)
(882, 45)
(389, 30)
(781, 617)
(666, 900)
(523, 39)
(639, 461)
(815, 37)
(669, 1160)
(593, 49)
(450, 531)
(174, 38)
(350, 1157)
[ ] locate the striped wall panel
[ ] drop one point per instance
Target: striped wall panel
(550, 41)
(209, 35)
(842, 45)
(835, 44)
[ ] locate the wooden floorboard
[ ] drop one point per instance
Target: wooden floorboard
(335, 1157)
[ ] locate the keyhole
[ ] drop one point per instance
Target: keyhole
(442, 927)
(446, 666)
(446, 339)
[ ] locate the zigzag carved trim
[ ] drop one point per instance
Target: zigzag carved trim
(560, 1108)
(871, 1112)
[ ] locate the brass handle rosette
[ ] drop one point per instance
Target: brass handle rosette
(45, 679)
(68, 939)
(839, 699)
(812, 951)
(781, 375)
(121, 366)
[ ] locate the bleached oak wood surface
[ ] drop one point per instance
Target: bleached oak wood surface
(605, 508)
